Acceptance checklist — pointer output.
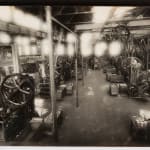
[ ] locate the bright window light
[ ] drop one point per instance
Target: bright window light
(26, 46)
(19, 17)
(70, 50)
(44, 27)
(115, 48)
(20, 50)
(18, 40)
(23, 44)
(32, 22)
(121, 12)
(100, 48)
(45, 47)
(25, 40)
(33, 50)
(26, 20)
(101, 14)
(5, 13)
(60, 49)
(86, 44)
(71, 38)
(26, 50)
(4, 38)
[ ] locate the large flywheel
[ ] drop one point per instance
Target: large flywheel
(17, 89)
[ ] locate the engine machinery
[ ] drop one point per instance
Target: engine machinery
(130, 69)
(140, 125)
(133, 66)
(17, 110)
(17, 105)
(63, 72)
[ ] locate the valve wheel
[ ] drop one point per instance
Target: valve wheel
(17, 89)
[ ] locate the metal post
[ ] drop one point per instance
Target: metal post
(14, 46)
(82, 59)
(17, 59)
(43, 74)
(76, 70)
(51, 71)
(86, 66)
(15, 56)
(82, 71)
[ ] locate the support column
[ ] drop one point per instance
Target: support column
(82, 61)
(85, 62)
(82, 70)
(51, 71)
(76, 71)
(15, 56)
(43, 58)
(14, 46)
(43, 68)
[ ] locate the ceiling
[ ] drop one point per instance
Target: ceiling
(71, 15)
(74, 15)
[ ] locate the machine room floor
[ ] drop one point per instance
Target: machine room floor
(100, 119)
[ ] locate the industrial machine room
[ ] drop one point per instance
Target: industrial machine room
(74, 75)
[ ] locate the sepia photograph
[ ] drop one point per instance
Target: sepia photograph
(74, 75)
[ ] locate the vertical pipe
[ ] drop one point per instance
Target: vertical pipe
(15, 56)
(82, 71)
(82, 59)
(51, 71)
(43, 58)
(40, 46)
(14, 46)
(43, 69)
(76, 71)
(86, 67)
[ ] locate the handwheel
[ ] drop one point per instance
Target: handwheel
(17, 89)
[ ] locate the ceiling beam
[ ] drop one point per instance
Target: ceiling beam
(128, 20)
(110, 21)
(62, 25)
(75, 13)
(131, 22)
(108, 28)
